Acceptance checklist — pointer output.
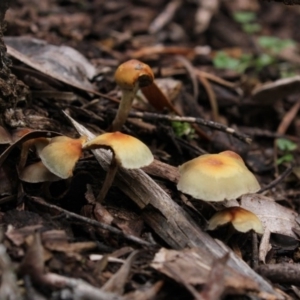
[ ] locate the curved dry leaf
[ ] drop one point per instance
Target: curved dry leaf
(193, 267)
(275, 217)
(270, 92)
(60, 62)
(157, 98)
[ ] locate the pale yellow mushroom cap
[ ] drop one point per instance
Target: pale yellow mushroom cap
(130, 152)
(216, 177)
(61, 155)
(37, 172)
(241, 219)
(133, 72)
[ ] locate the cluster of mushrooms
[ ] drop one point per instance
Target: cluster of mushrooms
(210, 177)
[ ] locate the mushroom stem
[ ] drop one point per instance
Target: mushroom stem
(110, 175)
(124, 108)
(23, 155)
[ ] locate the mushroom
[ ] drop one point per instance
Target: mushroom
(128, 152)
(37, 172)
(61, 155)
(216, 177)
(37, 143)
(130, 76)
(241, 219)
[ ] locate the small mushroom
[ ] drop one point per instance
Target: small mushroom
(36, 173)
(241, 219)
(216, 177)
(61, 155)
(128, 152)
(130, 76)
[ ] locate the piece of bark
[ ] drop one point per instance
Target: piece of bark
(283, 273)
(167, 218)
(162, 170)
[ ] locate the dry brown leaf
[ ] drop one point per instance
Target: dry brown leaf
(117, 282)
(60, 62)
(9, 288)
(196, 269)
(157, 98)
(18, 235)
(275, 217)
(215, 286)
(146, 293)
(270, 92)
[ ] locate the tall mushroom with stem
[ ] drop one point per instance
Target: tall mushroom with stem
(130, 76)
(128, 152)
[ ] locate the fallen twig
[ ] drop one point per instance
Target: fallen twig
(283, 273)
(277, 180)
(93, 222)
(214, 125)
(80, 289)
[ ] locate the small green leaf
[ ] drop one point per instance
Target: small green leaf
(244, 17)
(285, 145)
(223, 61)
(264, 60)
(286, 158)
(274, 44)
(251, 28)
(287, 70)
(182, 128)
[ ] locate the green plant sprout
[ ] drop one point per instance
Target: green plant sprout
(183, 129)
(271, 45)
(222, 60)
(247, 19)
(274, 44)
(286, 147)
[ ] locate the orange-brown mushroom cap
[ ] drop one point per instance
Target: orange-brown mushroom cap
(216, 177)
(133, 72)
(61, 155)
(241, 219)
(233, 155)
(130, 152)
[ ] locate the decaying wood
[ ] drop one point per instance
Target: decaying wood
(283, 273)
(162, 170)
(168, 219)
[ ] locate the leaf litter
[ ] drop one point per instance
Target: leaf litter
(60, 238)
